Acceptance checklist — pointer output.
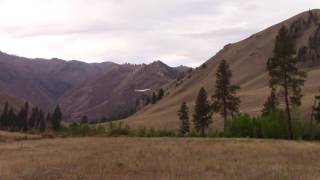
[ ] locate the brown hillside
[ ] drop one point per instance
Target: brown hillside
(112, 93)
(247, 60)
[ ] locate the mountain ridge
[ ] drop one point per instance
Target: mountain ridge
(247, 59)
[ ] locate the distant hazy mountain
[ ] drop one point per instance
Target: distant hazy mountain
(113, 91)
(93, 89)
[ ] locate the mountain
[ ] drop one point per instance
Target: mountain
(42, 81)
(92, 89)
(247, 60)
(114, 92)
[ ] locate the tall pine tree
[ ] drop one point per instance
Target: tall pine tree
(56, 119)
(160, 93)
(42, 122)
(154, 98)
(284, 73)
(271, 104)
(316, 110)
(224, 99)
(202, 113)
(4, 116)
(183, 114)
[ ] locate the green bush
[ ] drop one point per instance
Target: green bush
(242, 125)
(118, 130)
(275, 125)
(166, 133)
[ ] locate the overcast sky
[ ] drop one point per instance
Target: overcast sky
(177, 32)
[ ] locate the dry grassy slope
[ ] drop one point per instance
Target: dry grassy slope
(112, 92)
(14, 101)
(247, 59)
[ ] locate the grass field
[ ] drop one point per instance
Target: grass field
(159, 158)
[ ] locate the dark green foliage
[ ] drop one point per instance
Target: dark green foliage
(56, 119)
(12, 120)
(202, 113)
(160, 93)
(273, 125)
(183, 114)
(242, 125)
(154, 98)
(284, 73)
(42, 122)
(271, 104)
(84, 120)
(204, 65)
(118, 130)
(23, 116)
(4, 116)
(224, 99)
(316, 113)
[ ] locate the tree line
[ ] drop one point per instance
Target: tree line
(286, 79)
(29, 119)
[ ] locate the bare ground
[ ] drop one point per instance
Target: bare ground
(159, 158)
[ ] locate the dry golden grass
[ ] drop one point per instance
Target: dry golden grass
(15, 136)
(159, 158)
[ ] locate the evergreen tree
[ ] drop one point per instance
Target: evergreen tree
(147, 100)
(154, 98)
(183, 114)
(23, 117)
(4, 116)
(202, 113)
(42, 122)
(284, 73)
(56, 119)
(316, 110)
(12, 119)
(84, 119)
(160, 93)
(224, 99)
(33, 117)
(271, 104)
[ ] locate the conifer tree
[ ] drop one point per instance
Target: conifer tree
(23, 117)
(271, 104)
(160, 93)
(202, 113)
(284, 73)
(316, 110)
(12, 119)
(224, 99)
(42, 122)
(4, 116)
(183, 114)
(84, 119)
(33, 117)
(154, 98)
(56, 119)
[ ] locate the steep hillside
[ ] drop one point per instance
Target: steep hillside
(92, 89)
(113, 92)
(247, 60)
(42, 81)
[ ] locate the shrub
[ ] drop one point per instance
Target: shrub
(242, 125)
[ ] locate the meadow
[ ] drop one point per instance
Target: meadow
(159, 158)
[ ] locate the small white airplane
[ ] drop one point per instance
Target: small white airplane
(142, 90)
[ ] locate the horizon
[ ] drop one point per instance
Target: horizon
(135, 33)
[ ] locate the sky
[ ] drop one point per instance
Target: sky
(177, 32)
